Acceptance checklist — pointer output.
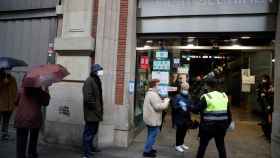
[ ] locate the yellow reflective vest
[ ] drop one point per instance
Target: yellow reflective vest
(217, 106)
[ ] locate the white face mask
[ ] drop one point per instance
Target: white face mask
(100, 73)
(185, 92)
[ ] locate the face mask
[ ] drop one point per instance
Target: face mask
(184, 92)
(100, 73)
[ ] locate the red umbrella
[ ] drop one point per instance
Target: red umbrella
(44, 75)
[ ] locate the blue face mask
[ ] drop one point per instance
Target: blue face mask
(184, 92)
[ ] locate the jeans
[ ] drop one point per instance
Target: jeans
(180, 135)
(5, 122)
(91, 129)
(22, 137)
(151, 138)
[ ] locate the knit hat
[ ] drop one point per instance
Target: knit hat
(95, 68)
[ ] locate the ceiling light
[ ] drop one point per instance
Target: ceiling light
(245, 37)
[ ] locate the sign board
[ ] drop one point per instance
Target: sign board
(161, 54)
(161, 65)
(176, 62)
(163, 90)
(144, 62)
(131, 87)
(162, 76)
(183, 70)
(248, 80)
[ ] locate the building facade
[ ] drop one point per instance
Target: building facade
(115, 33)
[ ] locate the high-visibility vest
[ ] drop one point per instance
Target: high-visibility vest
(217, 106)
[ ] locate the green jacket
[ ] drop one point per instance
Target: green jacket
(93, 101)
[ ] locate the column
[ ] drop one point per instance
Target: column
(275, 143)
(116, 51)
(64, 117)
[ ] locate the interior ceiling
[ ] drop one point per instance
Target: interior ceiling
(206, 39)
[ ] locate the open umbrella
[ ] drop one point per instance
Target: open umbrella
(44, 75)
(9, 63)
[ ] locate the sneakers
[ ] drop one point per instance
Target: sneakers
(185, 147)
(181, 148)
(150, 154)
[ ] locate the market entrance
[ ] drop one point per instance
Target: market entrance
(239, 64)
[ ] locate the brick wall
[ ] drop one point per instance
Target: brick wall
(95, 18)
(121, 52)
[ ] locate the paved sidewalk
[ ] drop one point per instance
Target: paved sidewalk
(246, 141)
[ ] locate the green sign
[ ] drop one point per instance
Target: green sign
(161, 54)
(161, 65)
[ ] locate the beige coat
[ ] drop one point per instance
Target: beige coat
(153, 107)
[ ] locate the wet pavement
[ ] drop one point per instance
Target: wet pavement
(246, 141)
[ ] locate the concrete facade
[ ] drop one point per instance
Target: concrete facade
(74, 45)
(113, 42)
(78, 41)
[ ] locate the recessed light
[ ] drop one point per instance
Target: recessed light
(245, 37)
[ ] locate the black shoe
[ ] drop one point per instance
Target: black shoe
(95, 150)
(33, 156)
(150, 154)
(154, 151)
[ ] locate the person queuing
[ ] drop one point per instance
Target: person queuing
(265, 98)
(215, 118)
(8, 93)
(93, 108)
(29, 119)
(152, 114)
(182, 116)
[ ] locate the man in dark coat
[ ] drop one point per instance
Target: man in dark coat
(93, 107)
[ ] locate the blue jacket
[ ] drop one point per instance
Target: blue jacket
(182, 108)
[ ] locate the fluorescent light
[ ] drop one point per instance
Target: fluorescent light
(245, 37)
(149, 41)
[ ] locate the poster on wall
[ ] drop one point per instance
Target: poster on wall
(183, 70)
(162, 76)
(162, 54)
(161, 65)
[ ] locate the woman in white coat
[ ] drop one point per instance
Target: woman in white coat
(152, 114)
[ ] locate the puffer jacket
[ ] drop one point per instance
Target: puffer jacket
(8, 93)
(153, 107)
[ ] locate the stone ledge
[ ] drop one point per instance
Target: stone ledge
(74, 44)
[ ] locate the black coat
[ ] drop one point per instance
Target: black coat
(93, 99)
(182, 117)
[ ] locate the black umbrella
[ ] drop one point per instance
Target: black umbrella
(9, 63)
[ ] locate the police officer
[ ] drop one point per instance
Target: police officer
(215, 119)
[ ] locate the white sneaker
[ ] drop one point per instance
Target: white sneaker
(179, 149)
(185, 147)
